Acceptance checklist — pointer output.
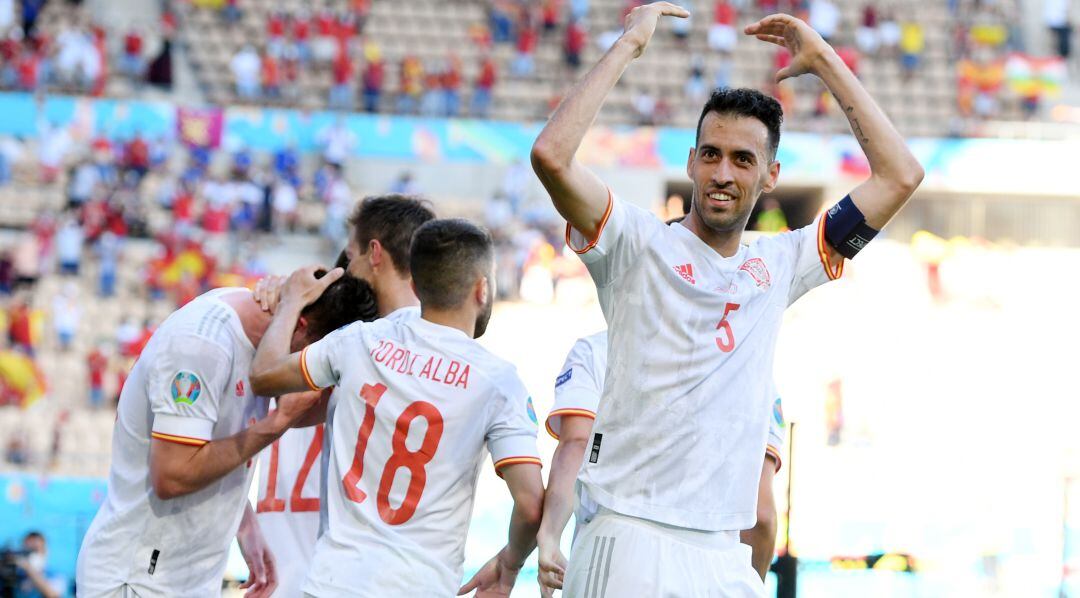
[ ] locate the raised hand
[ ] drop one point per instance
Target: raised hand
(641, 23)
(808, 50)
(304, 287)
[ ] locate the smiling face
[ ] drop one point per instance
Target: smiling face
(730, 168)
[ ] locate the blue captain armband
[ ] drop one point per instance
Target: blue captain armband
(846, 229)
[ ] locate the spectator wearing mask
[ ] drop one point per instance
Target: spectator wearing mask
(36, 580)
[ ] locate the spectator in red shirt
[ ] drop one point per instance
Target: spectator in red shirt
(20, 326)
(451, 84)
(275, 32)
(131, 62)
(550, 15)
(576, 39)
(97, 363)
(372, 80)
(524, 64)
(137, 156)
(300, 30)
(324, 46)
(271, 76)
(485, 82)
(340, 95)
(722, 31)
(28, 70)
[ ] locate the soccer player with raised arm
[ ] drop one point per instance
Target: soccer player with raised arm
(188, 425)
(290, 470)
(416, 402)
(693, 316)
(577, 393)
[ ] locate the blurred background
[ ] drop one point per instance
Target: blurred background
(152, 149)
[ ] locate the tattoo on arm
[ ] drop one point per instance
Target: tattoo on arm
(849, 112)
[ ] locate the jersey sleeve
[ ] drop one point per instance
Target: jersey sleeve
(511, 434)
(808, 254)
(624, 230)
(777, 433)
(577, 389)
(185, 388)
(319, 360)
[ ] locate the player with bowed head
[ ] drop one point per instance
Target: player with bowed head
(416, 402)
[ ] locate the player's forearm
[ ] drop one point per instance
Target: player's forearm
(217, 458)
(273, 352)
(891, 161)
(762, 541)
(559, 496)
(524, 523)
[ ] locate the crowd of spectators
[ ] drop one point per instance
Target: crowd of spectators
(74, 53)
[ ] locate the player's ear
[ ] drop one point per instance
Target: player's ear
(300, 339)
(375, 253)
(481, 290)
(773, 177)
(690, 163)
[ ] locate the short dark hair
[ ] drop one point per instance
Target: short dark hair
(391, 219)
(750, 103)
(347, 300)
(447, 256)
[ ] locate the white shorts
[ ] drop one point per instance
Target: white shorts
(615, 556)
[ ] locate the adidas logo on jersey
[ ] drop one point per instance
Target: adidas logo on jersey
(687, 272)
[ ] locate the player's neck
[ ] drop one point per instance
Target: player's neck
(459, 319)
(253, 319)
(392, 295)
(726, 243)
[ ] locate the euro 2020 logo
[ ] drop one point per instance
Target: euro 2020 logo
(186, 388)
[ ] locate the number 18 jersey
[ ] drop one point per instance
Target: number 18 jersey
(415, 404)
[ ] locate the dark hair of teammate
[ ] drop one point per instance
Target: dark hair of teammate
(347, 300)
(391, 219)
(750, 103)
(447, 258)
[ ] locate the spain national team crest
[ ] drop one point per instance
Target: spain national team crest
(755, 267)
(186, 388)
(531, 411)
(778, 413)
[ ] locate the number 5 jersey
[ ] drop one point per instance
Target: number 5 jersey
(414, 406)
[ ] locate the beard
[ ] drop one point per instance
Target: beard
(484, 317)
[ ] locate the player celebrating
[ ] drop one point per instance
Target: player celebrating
(577, 394)
(399, 491)
(693, 317)
(187, 423)
(290, 472)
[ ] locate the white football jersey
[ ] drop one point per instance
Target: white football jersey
(414, 404)
(190, 386)
(581, 382)
(683, 421)
(288, 504)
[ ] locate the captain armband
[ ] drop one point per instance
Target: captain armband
(846, 229)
